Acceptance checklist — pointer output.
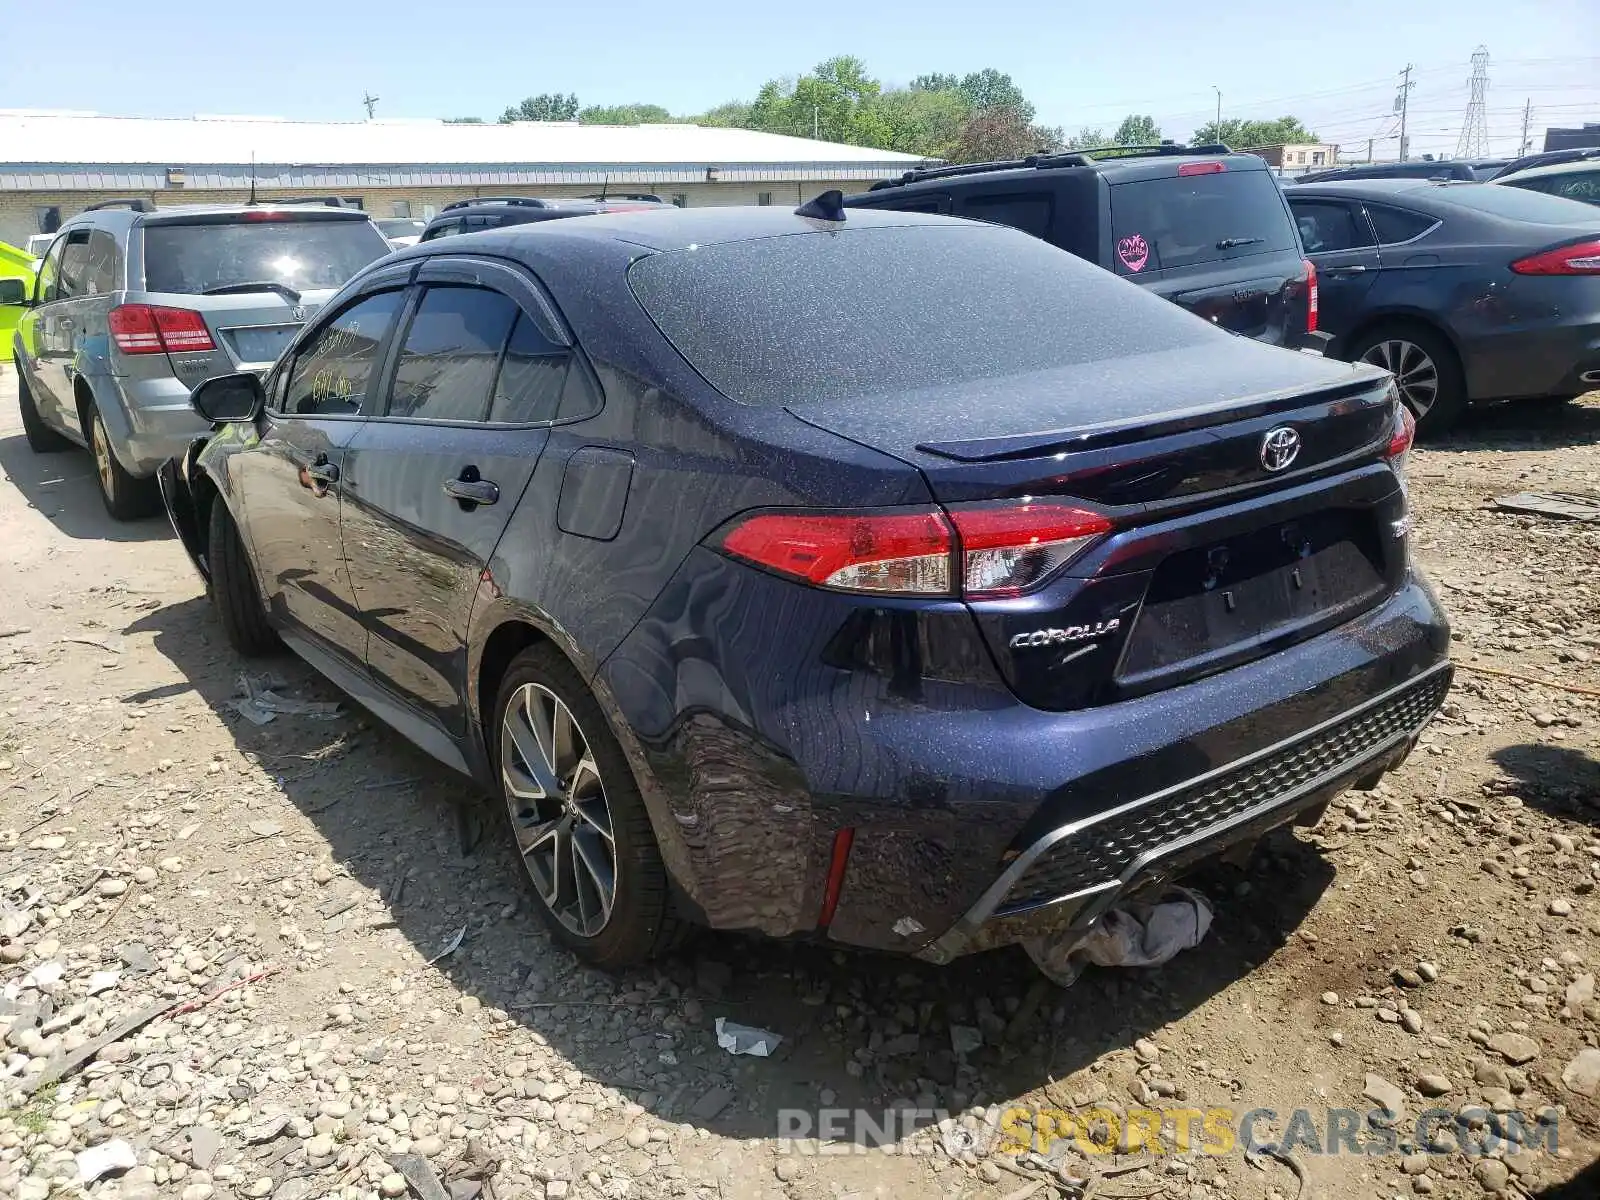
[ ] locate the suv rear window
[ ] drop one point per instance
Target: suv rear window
(192, 259)
(868, 312)
(1181, 221)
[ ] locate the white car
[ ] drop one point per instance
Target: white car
(38, 243)
(401, 231)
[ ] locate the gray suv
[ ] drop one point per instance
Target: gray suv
(135, 305)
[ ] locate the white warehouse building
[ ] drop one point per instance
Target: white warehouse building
(55, 164)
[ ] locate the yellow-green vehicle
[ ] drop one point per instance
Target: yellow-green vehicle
(14, 264)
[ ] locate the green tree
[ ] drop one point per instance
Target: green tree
(548, 106)
(991, 89)
(1137, 131)
(463, 120)
(734, 114)
(1087, 139)
(1240, 134)
(1003, 133)
(836, 102)
(624, 114)
(923, 121)
(936, 81)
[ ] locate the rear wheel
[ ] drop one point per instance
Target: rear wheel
(577, 818)
(127, 497)
(41, 438)
(234, 593)
(1425, 369)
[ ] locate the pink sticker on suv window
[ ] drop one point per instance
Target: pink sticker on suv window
(1133, 251)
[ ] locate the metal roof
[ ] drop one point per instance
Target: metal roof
(76, 151)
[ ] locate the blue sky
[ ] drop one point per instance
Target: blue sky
(1334, 65)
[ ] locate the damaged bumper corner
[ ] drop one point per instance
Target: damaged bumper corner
(177, 497)
(1069, 878)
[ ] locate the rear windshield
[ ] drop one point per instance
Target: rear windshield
(1519, 204)
(868, 312)
(1184, 220)
(304, 255)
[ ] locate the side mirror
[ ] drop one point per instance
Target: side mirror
(229, 398)
(13, 291)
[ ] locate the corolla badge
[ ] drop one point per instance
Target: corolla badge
(1279, 447)
(1057, 637)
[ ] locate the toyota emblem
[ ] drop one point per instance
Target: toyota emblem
(298, 312)
(1279, 448)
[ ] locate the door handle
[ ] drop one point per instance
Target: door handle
(1357, 270)
(470, 490)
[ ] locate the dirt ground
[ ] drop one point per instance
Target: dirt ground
(1428, 946)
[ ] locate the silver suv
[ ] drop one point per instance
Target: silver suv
(135, 305)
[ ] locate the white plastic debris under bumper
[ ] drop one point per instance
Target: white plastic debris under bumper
(1138, 935)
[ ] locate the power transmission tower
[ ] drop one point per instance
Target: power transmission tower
(371, 102)
(1527, 117)
(1402, 102)
(1474, 142)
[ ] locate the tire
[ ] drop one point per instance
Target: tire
(234, 593)
(127, 497)
(41, 438)
(555, 835)
(1425, 367)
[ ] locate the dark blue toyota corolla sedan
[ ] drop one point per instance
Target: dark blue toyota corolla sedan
(893, 580)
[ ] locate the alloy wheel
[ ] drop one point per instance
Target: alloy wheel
(102, 456)
(558, 807)
(1415, 373)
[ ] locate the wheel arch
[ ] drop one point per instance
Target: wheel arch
(1401, 318)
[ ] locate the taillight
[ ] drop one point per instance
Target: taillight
(1404, 434)
(266, 214)
(1200, 168)
(156, 329)
(1579, 258)
(976, 550)
(1007, 549)
(1311, 296)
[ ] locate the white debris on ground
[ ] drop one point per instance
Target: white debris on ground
(238, 921)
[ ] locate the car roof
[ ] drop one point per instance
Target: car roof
(671, 228)
(1583, 166)
(1125, 162)
(1378, 189)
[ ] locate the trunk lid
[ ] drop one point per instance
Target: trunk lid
(1216, 557)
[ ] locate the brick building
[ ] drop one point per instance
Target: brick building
(53, 165)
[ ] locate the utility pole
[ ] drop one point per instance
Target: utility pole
(1401, 103)
(816, 117)
(1218, 125)
(1369, 149)
(371, 102)
(1527, 117)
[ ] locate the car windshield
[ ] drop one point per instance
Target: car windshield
(1183, 220)
(872, 311)
(306, 255)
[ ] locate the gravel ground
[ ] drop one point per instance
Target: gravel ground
(254, 925)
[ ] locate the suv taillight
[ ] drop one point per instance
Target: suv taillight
(1578, 258)
(156, 329)
(1311, 296)
(974, 550)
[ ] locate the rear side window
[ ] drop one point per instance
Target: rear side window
(807, 317)
(452, 349)
(193, 259)
(102, 270)
(1329, 225)
(1182, 221)
(1030, 212)
(1396, 224)
(445, 229)
(531, 377)
(332, 370)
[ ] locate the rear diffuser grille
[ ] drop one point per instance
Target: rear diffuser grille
(1100, 853)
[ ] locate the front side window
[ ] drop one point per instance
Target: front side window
(333, 368)
(446, 369)
(49, 273)
(74, 276)
(1328, 225)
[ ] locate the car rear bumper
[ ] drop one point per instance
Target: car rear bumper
(156, 423)
(754, 754)
(1545, 341)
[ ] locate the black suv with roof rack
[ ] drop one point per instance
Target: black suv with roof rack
(1198, 225)
(492, 212)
